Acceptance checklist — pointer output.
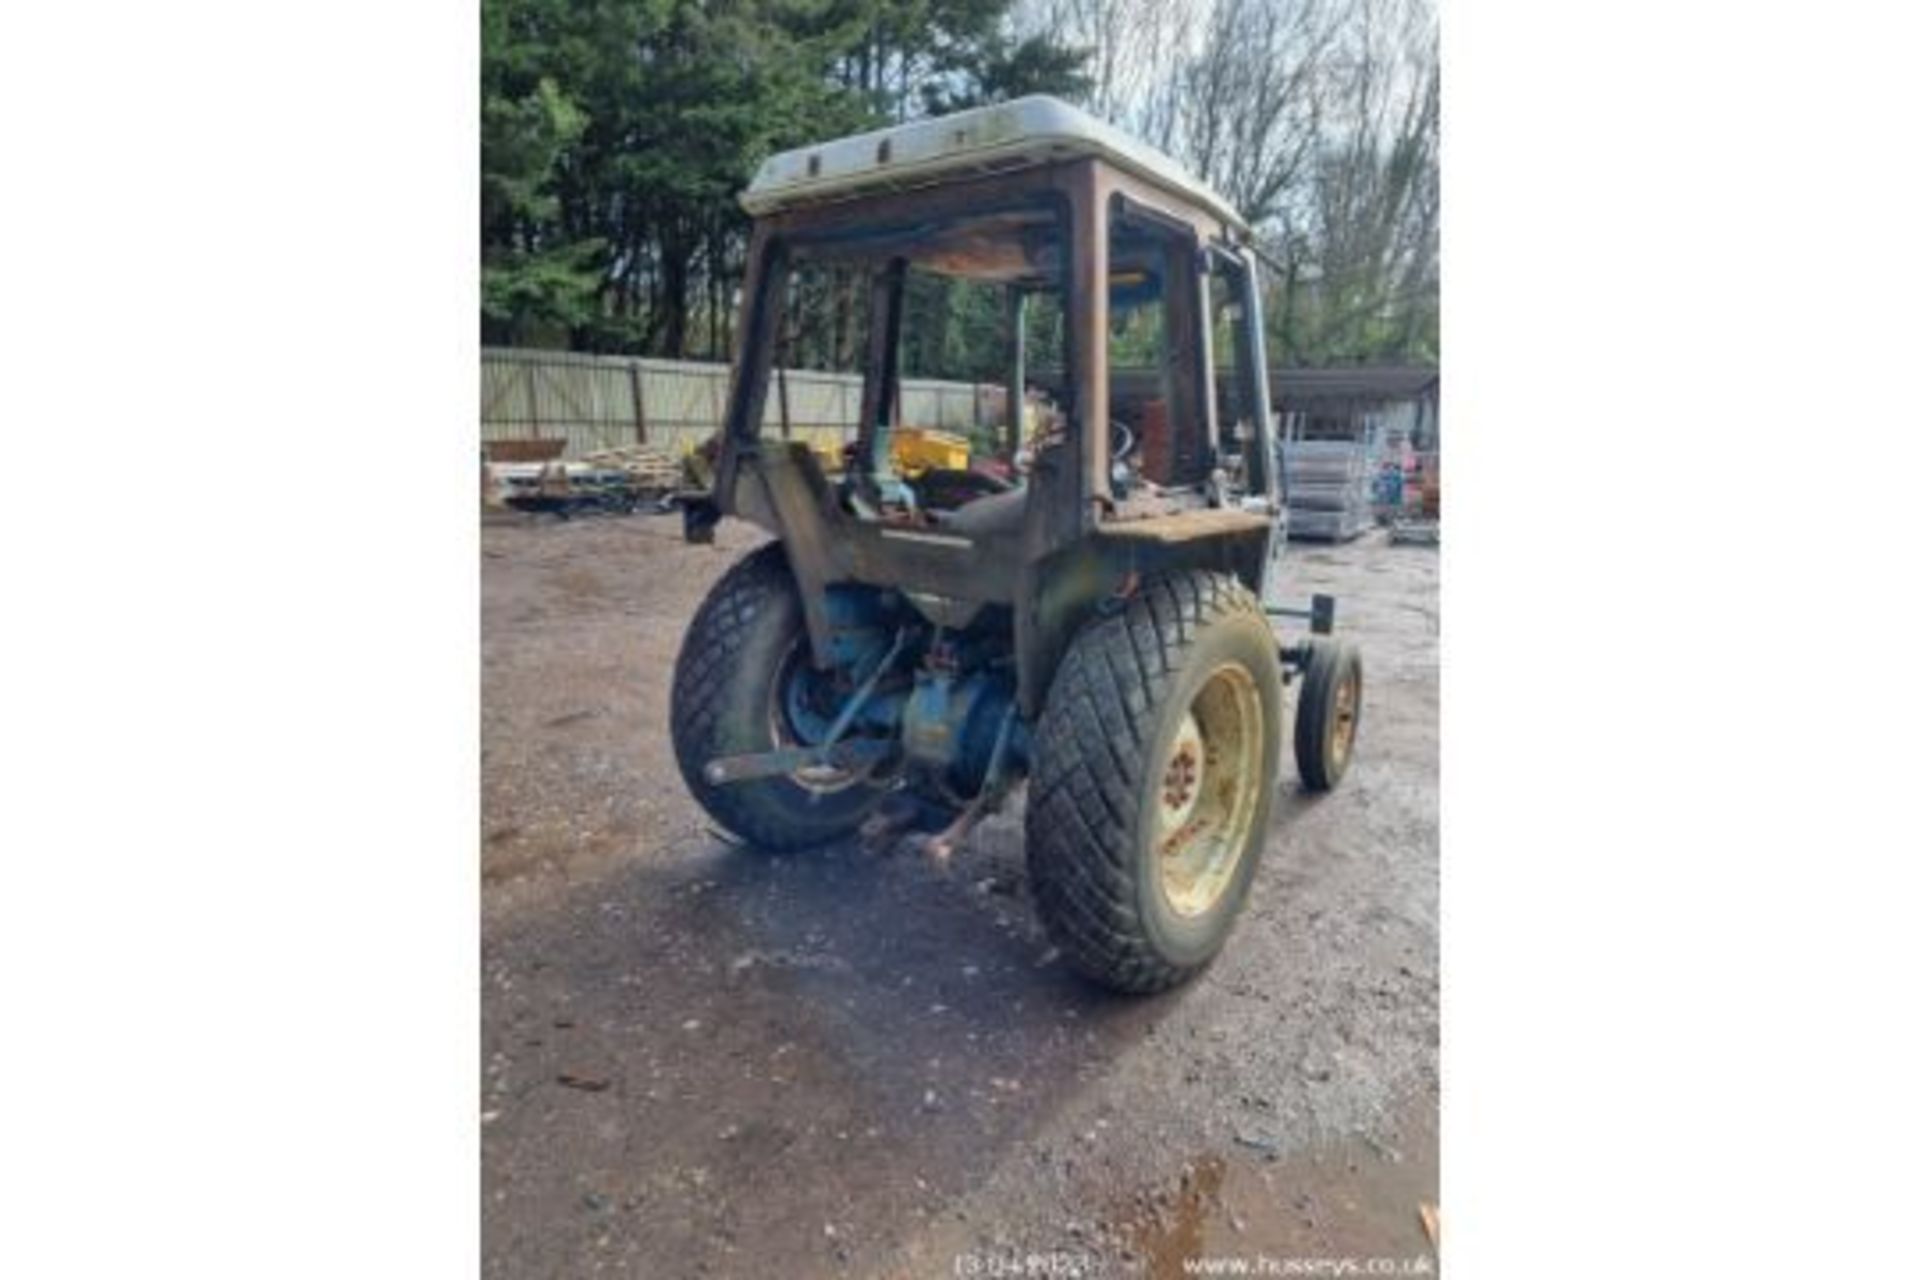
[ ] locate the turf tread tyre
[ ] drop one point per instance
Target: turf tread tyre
(721, 697)
(1088, 799)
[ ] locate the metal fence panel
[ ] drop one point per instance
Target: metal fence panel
(684, 401)
(587, 400)
(597, 402)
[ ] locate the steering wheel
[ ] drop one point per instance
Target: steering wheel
(1120, 442)
(1120, 445)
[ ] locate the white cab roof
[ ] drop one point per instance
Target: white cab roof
(1006, 135)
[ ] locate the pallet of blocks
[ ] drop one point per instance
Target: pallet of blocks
(1329, 487)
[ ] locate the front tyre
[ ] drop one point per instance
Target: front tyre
(1154, 764)
(1329, 715)
(735, 692)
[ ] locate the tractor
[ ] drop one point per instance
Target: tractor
(1097, 615)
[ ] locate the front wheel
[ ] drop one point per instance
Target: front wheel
(1153, 774)
(745, 683)
(1329, 715)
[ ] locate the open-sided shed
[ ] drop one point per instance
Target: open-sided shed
(1373, 404)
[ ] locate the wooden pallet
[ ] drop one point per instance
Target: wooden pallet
(523, 450)
(651, 468)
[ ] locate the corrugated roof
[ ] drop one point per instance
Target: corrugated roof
(1298, 387)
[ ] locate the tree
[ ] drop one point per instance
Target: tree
(1318, 120)
(530, 278)
(617, 134)
(1363, 253)
(1004, 68)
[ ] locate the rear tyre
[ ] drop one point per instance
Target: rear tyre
(1154, 764)
(731, 697)
(1329, 717)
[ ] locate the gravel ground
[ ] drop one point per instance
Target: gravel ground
(702, 1061)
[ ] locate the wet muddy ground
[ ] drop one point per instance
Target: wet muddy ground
(700, 1061)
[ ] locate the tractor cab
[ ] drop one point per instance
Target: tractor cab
(1116, 305)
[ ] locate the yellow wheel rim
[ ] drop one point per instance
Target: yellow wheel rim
(1346, 711)
(1204, 800)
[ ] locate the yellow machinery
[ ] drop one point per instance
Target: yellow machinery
(919, 449)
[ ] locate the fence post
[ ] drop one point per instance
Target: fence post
(639, 402)
(533, 398)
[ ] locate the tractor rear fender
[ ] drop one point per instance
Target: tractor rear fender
(1099, 574)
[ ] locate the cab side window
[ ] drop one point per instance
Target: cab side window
(1155, 351)
(1233, 377)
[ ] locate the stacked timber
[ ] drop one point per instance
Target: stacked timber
(651, 470)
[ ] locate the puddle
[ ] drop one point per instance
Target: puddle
(1164, 1235)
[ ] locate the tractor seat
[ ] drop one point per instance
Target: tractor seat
(997, 513)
